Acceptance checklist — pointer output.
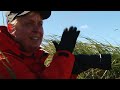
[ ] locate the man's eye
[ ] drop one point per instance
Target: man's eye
(40, 24)
(28, 24)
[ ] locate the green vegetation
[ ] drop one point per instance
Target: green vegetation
(92, 47)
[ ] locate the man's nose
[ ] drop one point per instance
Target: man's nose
(37, 29)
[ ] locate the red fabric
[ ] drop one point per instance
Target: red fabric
(10, 27)
(31, 67)
(73, 76)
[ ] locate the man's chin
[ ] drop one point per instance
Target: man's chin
(32, 48)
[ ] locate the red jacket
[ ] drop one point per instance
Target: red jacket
(16, 64)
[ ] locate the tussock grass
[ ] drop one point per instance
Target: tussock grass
(92, 47)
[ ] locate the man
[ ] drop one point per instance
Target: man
(21, 56)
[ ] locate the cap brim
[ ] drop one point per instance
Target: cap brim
(45, 14)
(12, 14)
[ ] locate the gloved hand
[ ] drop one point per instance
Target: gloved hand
(85, 62)
(68, 39)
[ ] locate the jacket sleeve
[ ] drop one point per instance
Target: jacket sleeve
(74, 76)
(60, 67)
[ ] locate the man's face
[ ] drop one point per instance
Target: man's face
(28, 31)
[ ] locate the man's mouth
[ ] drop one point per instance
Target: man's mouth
(35, 38)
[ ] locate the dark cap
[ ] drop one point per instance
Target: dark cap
(11, 15)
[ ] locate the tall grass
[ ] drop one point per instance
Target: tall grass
(92, 47)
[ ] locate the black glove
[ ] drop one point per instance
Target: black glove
(68, 40)
(85, 62)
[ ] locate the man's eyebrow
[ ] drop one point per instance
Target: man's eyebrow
(32, 21)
